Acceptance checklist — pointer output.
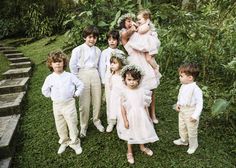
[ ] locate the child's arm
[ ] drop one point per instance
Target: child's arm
(199, 105)
(74, 61)
(124, 115)
(46, 89)
(78, 84)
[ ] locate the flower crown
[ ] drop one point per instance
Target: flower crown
(125, 16)
(120, 56)
(131, 67)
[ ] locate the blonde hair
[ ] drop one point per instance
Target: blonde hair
(145, 13)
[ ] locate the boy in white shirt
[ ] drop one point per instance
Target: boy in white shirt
(105, 72)
(62, 87)
(189, 106)
(84, 63)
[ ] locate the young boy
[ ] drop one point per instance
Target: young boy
(60, 87)
(105, 72)
(189, 106)
(84, 63)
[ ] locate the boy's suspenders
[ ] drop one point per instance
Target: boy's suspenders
(81, 53)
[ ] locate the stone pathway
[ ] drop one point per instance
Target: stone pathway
(12, 92)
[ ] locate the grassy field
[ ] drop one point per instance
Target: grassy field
(37, 137)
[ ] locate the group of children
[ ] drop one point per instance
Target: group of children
(128, 98)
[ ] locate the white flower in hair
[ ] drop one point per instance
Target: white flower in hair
(131, 67)
(120, 56)
(125, 16)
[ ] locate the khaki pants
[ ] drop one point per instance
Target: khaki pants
(92, 91)
(66, 120)
(187, 129)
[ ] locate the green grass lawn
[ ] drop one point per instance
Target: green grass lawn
(37, 137)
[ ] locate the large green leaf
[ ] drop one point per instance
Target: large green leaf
(219, 107)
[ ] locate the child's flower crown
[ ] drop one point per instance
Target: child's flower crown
(125, 16)
(131, 67)
(120, 56)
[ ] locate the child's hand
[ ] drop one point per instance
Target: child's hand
(126, 124)
(192, 119)
(177, 108)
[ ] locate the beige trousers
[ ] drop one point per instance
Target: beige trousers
(66, 120)
(92, 91)
(187, 129)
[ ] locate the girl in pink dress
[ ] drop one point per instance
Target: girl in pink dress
(149, 81)
(135, 125)
(117, 61)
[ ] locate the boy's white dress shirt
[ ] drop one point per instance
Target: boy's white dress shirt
(62, 87)
(89, 54)
(190, 95)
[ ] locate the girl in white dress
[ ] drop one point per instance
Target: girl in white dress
(117, 61)
(135, 125)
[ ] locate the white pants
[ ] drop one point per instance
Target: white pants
(187, 129)
(92, 91)
(66, 120)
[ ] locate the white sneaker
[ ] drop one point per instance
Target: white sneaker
(62, 149)
(83, 133)
(109, 127)
(180, 142)
(191, 150)
(99, 126)
(77, 148)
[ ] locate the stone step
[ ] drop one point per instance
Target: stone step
(21, 59)
(6, 48)
(11, 103)
(20, 65)
(13, 85)
(8, 51)
(8, 130)
(17, 73)
(14, 55)
(5, 163)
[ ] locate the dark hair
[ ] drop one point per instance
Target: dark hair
(135, 74)
(56, 56)
(190, 69)
(90, 30)
(114, 34)
(122, 23)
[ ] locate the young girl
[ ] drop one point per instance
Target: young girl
(150, 80)
(104, 69)
(135, 126)
(62, 87)
(146, 40)
(117, 61)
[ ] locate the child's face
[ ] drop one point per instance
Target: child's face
(131, 82)
(112, 42)
(115, 66)
(90, 40)
(140, 19)
(185, 79)
(58, 66)
(128, 23)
